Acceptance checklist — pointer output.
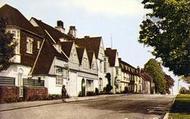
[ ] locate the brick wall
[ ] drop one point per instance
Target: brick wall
(9, 94)
(35, 93)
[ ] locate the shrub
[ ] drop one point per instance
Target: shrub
(90, 93)
(54, 97)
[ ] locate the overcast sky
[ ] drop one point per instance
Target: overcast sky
(114, 21)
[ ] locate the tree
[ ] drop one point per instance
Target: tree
(154, 69)
(169, 82)
(167, 30)
(6, 46)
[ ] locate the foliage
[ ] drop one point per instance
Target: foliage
(154, 68)
(169, 82)
(167, 30)
(6, 46)
(108, 87)
(183, 90)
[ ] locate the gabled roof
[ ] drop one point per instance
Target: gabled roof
(111, 54)
(123, 65)
(67, 47)
(90, 43)
(15, 18)
(55, 34)
(46, 57)
(90, 57)
(80, 53)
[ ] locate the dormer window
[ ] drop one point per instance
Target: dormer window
(16, 39)
(62, 40)
(38, 44)
(29, 45)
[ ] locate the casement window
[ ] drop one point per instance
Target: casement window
(59, 77)
(29, 45)
(93, 65)
(38, 44)
(59, 80)
(105, 65)
(85, 62)
(16, 39)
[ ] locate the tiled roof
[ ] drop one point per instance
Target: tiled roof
(123, 66)
(90, 43)
(67, 47)
(15, 18)
(90, 57)
(111, 54)
(45, 59)
(55, 34)
(80, 53)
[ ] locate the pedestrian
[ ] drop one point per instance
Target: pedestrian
(64, 93)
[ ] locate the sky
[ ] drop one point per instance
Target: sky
(117, 22)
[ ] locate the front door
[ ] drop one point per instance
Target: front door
(83, 87)
(20, 84)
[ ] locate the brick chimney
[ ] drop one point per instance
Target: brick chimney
(60, 26)
(72, 31)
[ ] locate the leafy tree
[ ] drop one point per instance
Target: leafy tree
(167, 30)
(6, 46)
(154, 69)
(169, 82)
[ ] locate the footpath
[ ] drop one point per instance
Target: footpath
(29, 104)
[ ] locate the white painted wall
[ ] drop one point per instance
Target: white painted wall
(14, 70)
(72, 84)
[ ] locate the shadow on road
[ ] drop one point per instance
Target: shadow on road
(129, 106)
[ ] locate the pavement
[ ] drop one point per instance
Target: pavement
(136, 106)
(29, 104)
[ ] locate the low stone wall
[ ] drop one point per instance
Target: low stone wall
(9, 94)
(35, 93)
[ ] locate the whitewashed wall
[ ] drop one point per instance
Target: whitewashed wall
(14, 70)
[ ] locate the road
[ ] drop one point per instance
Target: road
(114, 107)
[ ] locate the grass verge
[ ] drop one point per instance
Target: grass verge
(181, 107)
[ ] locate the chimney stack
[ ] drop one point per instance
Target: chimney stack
(72, 31)
(60, 26)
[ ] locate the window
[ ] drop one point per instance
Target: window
(59, 80)
(29, 45)
(38, 44)
(85, 62)
(101, 66)
(16, 38)
(93, 65)
(105, 65)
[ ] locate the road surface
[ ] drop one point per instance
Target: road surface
(114, 107)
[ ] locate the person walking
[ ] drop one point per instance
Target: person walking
(64, 93)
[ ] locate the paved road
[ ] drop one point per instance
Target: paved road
(115, 107)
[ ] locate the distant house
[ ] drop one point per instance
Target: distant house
(28, 41)
(148, 84)
(131, 79)
(114, 70)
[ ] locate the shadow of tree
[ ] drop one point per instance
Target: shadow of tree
(129, 106)
(181, 106)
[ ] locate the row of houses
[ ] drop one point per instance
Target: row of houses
(49, 56)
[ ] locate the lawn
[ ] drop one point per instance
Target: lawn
(181, 107)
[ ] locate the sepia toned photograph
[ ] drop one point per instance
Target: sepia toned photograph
(94, 59)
